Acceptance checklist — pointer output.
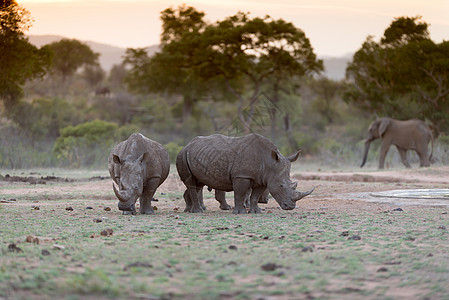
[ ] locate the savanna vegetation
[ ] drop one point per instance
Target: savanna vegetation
(237, 75)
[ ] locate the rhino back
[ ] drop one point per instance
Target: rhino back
(215, 160)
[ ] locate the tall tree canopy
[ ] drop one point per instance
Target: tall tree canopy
(255, 51)
(236, 55)
(404, 75)
(171, 69)
(19, 60)
(70, 55)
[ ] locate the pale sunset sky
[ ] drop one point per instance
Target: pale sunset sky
(334, 27)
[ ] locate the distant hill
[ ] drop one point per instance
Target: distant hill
(109, 55)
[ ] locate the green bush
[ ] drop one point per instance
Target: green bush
(173, 149)
(87, 144)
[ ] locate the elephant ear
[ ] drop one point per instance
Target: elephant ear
(384, 123)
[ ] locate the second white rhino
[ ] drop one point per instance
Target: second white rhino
(239, 164)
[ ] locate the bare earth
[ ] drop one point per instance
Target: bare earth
(336, 190)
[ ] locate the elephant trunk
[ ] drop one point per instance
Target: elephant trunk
(365, 152)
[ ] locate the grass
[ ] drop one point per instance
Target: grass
(217, 255)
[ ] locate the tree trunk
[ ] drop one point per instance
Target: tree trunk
(288, 130)
(187, 107)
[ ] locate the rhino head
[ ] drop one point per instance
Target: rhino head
(280, 185)
(129, 182)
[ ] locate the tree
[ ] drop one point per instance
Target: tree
(19, 60)
(245, 53)
(404, 75)
(117, 76)
(235, 56)
(325, 102)
(170, 70)
(70, 55)
(44, 117)
(86, 143)
(94, 75)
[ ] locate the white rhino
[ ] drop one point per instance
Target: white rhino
(138, 167)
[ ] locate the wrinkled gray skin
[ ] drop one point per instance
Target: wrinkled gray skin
(138, 167)
(248, 164)
(405, 135)
(220, 196)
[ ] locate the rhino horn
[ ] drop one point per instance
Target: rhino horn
(300, 195)
(117, 193)
(294, 185)
(294, 157)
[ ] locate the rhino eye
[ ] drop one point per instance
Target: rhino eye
(282, 185)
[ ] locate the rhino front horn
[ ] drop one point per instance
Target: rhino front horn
(117, 193)
(300, 195)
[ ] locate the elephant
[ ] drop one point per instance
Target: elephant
(405, 135)
(138, 166)
(247, 164)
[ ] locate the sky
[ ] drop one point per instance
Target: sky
(334, 27)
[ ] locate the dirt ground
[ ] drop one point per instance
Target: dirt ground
(333, 189)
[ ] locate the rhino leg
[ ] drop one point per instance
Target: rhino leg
(193, 194)
(241, 186)
(220, 196)
(264, 197)
(247, 196)
(200, 199)
(188, 201)
(147, 195)
(255, 195)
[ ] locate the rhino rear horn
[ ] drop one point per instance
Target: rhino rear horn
(294, 157)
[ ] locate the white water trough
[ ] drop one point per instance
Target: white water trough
(425, 197)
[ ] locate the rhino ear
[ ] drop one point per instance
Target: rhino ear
(144, 157)
(275, 155)
(294, 157)
(116, 159)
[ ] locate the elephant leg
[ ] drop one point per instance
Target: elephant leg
(423, 156)
(383, 153)
(220, 196)
(240, 187)
(255, 196)
(403, 154)
(147, 195)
